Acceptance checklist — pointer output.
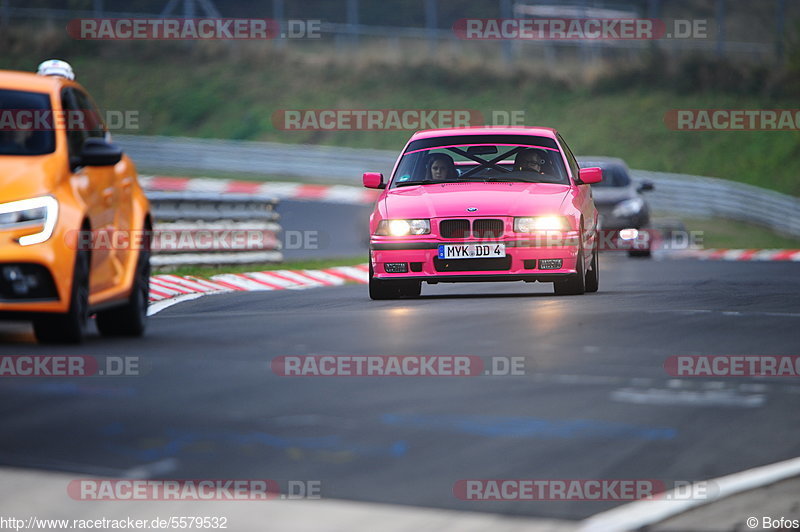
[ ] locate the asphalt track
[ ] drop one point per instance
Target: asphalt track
(594, 403)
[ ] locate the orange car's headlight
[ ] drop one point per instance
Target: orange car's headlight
(40, 214)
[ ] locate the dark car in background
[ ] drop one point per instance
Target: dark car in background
(624, 212)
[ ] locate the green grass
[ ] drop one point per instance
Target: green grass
(206, 272)
(727, 234)
(218, 91)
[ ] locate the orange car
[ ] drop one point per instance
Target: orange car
(64, 181)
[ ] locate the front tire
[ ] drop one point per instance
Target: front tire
(640, 253)
(382, 290)
(131, 318)
(575, 285)
(69, 328)
(593, 275)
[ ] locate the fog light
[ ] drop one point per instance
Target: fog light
(20, 283)
(629, 234)
(550, 264)
(396, 267)
(529, 264)
(26, 281)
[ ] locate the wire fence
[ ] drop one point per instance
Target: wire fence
(763, 39)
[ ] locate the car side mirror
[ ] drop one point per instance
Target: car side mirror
(373, 180)
(646, 186)
(98, 152)
(590, 176)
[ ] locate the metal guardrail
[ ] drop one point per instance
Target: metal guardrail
(706, 197)
(214, 229)
(680, 194)
(317, 163)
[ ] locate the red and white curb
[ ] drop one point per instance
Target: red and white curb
(741, 254)
(166, 290)
(277, 189)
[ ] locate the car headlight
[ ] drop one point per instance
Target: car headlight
(540, 223)
(403, 227)
(628, 207)
(38, 213)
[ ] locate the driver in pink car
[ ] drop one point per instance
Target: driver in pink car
(530, 160)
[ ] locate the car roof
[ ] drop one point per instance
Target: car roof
(27, 81)
(485, 130)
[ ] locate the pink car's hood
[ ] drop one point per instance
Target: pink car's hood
(491, 199)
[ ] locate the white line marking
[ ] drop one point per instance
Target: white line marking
(690, 312)
(154, 469)
(157, 307)
(638, 514)
(656, 396)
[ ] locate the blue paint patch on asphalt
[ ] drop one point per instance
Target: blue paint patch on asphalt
(528, 427)
(70, 389)
(179, 440)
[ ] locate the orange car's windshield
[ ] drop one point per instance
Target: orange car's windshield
(26, 123)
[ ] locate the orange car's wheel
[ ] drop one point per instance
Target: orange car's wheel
(131, 318)
(69, 328)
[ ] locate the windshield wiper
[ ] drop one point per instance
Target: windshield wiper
(410, 183)
(502, 179)
(424, 182)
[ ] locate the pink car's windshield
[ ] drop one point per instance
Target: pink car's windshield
(471, 158)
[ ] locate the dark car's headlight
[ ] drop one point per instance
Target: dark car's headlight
(403, 227)
(38, 213)
(628, 207)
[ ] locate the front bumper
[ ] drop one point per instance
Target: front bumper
(522, 261)
(52, 263)
(610, 222)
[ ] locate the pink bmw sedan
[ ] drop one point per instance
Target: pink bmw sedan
(484, 204)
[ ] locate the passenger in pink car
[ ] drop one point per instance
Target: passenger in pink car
(440, 166)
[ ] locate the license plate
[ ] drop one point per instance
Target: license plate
(471, 251)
